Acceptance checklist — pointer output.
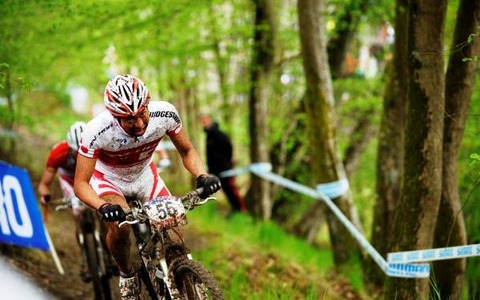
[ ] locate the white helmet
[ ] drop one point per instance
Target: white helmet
(73, 135)
(125, 95)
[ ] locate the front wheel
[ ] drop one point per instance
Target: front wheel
(193, 281)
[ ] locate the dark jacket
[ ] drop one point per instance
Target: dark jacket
(219, 150)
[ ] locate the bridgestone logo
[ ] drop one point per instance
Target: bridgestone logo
(165, 114)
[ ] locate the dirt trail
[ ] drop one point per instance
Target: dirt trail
(40, 266)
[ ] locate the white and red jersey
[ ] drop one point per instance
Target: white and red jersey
(120, 155)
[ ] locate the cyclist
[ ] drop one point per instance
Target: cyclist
(63, 158)
(115, 162)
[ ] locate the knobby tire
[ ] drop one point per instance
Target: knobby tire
(148, 291)
(94, 267)
(195, 282)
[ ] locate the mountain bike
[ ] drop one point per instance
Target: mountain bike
(90, 233)
(167, 268)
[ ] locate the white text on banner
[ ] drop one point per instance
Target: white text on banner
(20, 220)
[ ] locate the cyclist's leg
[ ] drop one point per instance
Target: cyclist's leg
(118, 238)
(118, 242)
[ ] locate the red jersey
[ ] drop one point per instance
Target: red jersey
(62, 159)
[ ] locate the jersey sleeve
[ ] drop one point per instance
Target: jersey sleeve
(88, 147)
(57, 156)
(168, 115)
(175, 123)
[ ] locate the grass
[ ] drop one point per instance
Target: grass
(258, 260)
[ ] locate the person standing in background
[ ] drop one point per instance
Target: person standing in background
(220, 158)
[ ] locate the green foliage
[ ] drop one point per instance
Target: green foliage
(3, 75)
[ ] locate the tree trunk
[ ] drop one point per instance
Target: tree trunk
(390, 145)
(319, 106)
(344, 31)
(416, 212)
(259, 198)
(460, 81)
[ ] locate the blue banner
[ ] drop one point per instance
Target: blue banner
(20, 219)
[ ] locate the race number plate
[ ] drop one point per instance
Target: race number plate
(166, 212)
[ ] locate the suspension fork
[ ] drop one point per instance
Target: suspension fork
(170, 249)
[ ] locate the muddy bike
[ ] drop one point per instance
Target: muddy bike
(90, 233)
(167, 268)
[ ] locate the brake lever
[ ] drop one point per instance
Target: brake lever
(128, 222)
(60, 207)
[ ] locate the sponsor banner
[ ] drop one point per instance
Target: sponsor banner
(20, 220)
(434, 254)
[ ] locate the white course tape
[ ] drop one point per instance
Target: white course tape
(334, 189)
(234, 172)
(408, 270)
(405, 264)
(434, 254)
(258, 167)
(396, 270)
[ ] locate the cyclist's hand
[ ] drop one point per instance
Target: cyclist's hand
(45, 199)
(111, 212)
(209, 183)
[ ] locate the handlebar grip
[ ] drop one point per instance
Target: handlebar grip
(199, 190)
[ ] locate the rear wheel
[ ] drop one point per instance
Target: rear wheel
(193, 281)
(101, 286)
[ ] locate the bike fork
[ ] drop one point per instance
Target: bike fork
(163, 274)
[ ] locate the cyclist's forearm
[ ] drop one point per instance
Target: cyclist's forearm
(43, 187)
(87, 195)
(82, 188)
(190, 158)
(193, 164)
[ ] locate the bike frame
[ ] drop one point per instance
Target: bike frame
(162, 249)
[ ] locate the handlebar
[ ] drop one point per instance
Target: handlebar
(189, 201)
(60, 204)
